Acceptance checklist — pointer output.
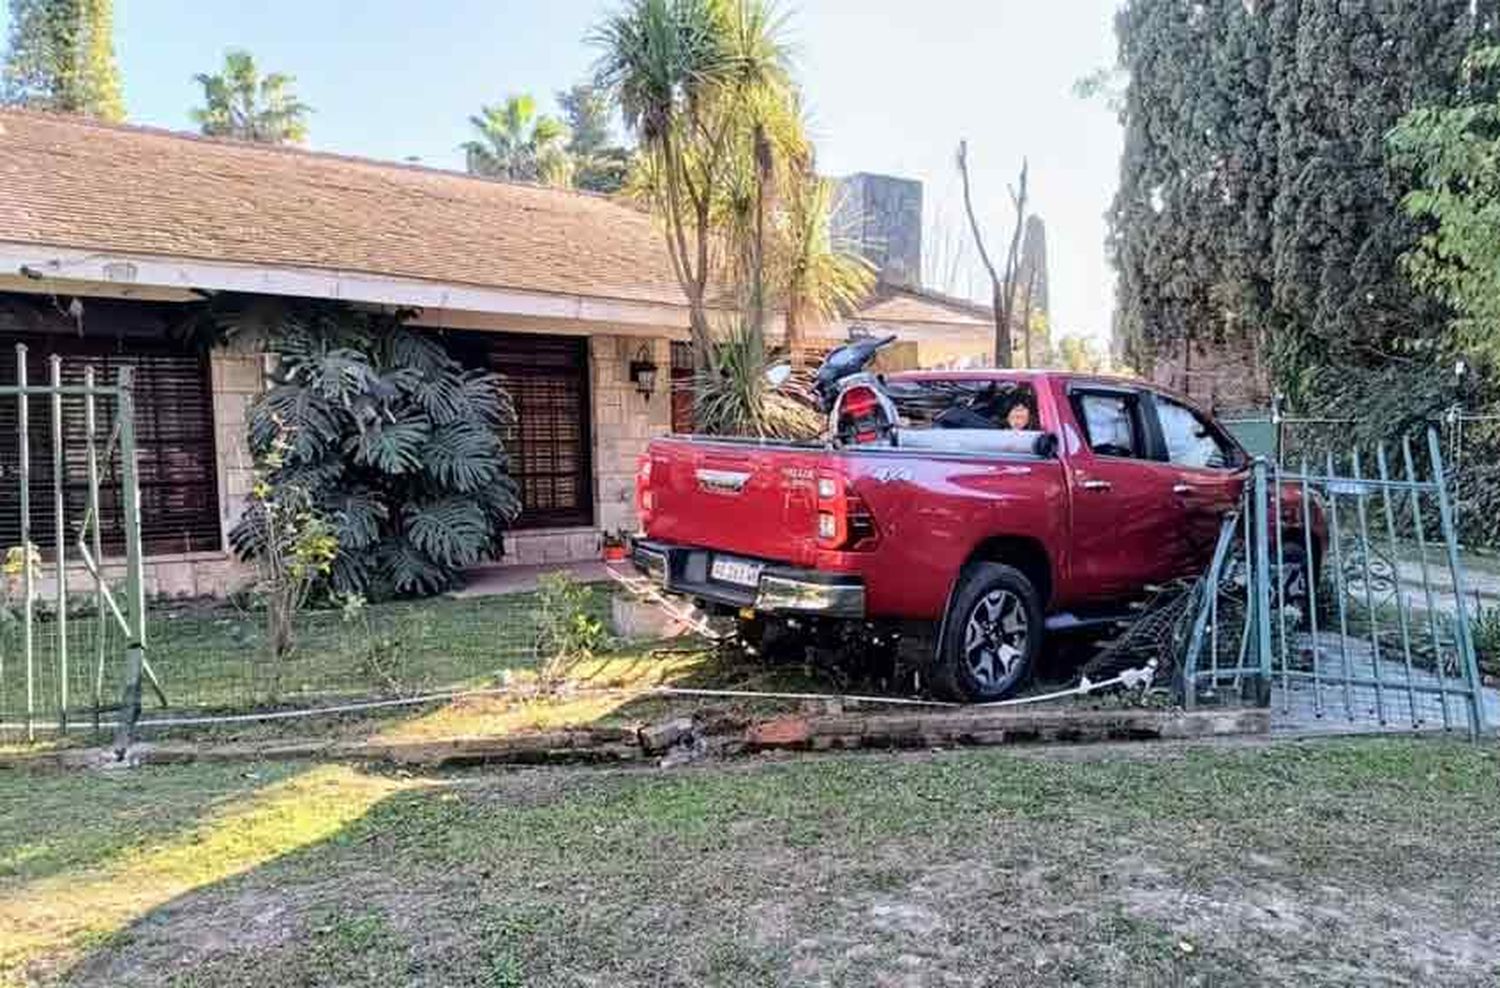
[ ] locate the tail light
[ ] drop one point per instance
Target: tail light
(860, 418)
(844, 519)
(645, 502)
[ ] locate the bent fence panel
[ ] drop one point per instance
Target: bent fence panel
(1355, 612)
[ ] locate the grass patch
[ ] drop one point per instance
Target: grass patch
(1347, 862)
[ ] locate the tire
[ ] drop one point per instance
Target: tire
(991, 635)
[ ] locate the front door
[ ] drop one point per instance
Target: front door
(1125, 531)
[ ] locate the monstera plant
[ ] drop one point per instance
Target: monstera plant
(388, 437)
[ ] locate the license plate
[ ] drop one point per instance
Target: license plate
(737, 571)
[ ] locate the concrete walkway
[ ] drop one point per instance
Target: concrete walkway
(501, 579)
(1301, 706)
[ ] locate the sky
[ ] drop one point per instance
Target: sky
(892, 85)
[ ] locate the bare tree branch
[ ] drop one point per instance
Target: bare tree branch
(1002, 288)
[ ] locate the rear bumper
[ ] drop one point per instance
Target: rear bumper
(782, 589)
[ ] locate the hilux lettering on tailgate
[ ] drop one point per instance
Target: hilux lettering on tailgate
(797, 476)
(722, 481)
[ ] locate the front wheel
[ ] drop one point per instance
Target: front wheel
(991, 637)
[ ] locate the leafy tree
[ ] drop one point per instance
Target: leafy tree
(1454, 152)
(1079, 354)
(706, 87)
(387, 436)
(1256, 202)
(587, 109)
(240, 103)
(515, 143)
(600, 164)
(61, 58)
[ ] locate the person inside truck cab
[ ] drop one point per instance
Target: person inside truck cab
(1018, 419)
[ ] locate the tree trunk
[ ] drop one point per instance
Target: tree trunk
(1004, 356)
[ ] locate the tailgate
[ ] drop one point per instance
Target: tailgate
(746, 499)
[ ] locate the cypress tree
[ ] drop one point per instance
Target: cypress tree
(61, 57)
(1256, 200)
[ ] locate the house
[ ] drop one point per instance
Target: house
(110, 233)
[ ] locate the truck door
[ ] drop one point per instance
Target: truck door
(1208, 475)
(1125, 525)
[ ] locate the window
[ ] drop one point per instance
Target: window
(1109, 421)
(548, 444)
(174, 430)
(682, 388)
(963, 403)
(1191, 442)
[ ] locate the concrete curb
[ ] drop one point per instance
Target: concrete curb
(796, 732)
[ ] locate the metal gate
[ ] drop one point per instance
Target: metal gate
(72, 623)
(1336, 596)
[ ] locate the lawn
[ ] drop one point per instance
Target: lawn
(1346, 862)
(210, 656)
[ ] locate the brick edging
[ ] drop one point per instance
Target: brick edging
(796, 732)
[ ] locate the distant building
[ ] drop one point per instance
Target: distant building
(882, 217)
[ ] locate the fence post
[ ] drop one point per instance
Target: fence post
(1261, 604)
(1461, 631)
(1277, 429)
(28, 587)
(60, 538)
(95, 529)
(135, 584)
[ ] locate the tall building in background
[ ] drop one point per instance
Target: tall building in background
(881, 217)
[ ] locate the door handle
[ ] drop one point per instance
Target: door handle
(1096, 485)
(1181, 489)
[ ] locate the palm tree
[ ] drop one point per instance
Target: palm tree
(240, 103)
(820, 277)
(515, 143)
(696, 80)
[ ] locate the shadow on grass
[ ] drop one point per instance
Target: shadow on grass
(86, 854)
(1279, 864)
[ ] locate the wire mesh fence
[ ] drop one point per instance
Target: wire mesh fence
(209, 662)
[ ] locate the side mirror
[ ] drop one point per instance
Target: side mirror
(778, 374)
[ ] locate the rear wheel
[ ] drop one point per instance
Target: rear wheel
(991, 637)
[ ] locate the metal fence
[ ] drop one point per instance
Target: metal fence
(71, 640)
(1284, 437)
(1337, 596)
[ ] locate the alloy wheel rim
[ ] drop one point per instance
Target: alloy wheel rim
(995, 638)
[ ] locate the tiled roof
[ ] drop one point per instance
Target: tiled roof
(70, 182)
(910, 305)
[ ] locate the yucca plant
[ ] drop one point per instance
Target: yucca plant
(392, 439)
(735, 398)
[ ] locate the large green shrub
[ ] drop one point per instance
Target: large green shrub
(392, 439)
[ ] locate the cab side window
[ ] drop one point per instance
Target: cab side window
(1191, 441)
(1110, 422)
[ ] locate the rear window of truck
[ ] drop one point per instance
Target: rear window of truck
(965, 404)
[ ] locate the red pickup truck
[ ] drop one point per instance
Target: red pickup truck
(986, 533)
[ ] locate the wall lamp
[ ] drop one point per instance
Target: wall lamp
(643, 372)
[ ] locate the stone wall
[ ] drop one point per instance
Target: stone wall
(1227, 377)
